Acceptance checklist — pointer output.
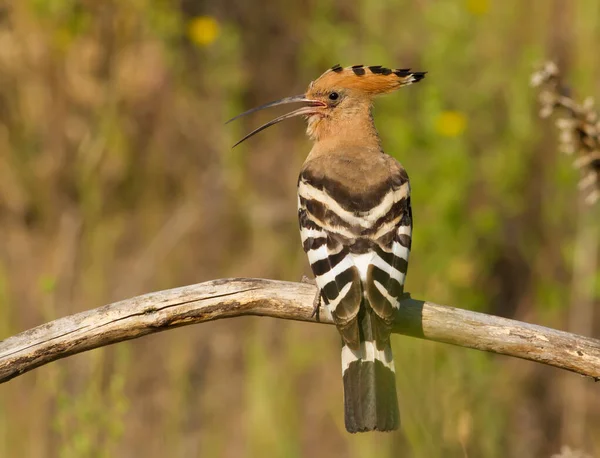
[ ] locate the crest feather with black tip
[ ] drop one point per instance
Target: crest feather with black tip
(371, 80)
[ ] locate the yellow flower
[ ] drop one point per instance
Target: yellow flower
(203, 30)
(478, 7)
(451, 123)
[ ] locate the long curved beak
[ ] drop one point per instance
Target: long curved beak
(308, 110)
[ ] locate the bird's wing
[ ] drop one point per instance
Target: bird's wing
(387, 270)
(323, 235)
(357, 242)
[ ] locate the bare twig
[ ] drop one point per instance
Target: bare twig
(229, 298)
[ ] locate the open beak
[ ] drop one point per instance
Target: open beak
(312, 108)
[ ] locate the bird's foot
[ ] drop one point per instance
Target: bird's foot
(316, 305)
(317, 299)
(308, 280)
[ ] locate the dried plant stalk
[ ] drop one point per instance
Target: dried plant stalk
(579, 127)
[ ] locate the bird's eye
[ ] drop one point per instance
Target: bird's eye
(334, 96)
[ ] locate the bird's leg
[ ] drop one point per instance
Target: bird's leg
(317, 299)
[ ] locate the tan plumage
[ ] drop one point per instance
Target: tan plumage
(356, 228)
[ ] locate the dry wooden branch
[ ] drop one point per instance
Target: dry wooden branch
(228, 298)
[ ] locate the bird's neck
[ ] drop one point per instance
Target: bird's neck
(354, 127)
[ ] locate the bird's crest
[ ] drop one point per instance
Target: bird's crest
(370, 80)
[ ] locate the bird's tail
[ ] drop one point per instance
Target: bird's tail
(370, 400)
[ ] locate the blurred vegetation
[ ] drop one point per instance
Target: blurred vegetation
(117, 178)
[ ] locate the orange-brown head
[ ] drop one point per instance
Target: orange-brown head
(338, 96)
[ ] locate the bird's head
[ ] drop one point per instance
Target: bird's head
(339, 94)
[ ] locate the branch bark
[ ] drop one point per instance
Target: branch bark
(227, 298)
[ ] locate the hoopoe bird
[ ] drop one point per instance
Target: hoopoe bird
(356, 227)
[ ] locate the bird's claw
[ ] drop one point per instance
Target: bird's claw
(316, 305)
(308, 280)
(317, 299)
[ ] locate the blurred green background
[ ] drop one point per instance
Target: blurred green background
(117, 178)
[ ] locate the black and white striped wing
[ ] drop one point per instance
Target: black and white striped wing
(350, 254)
(335, 273)
(387, 270)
